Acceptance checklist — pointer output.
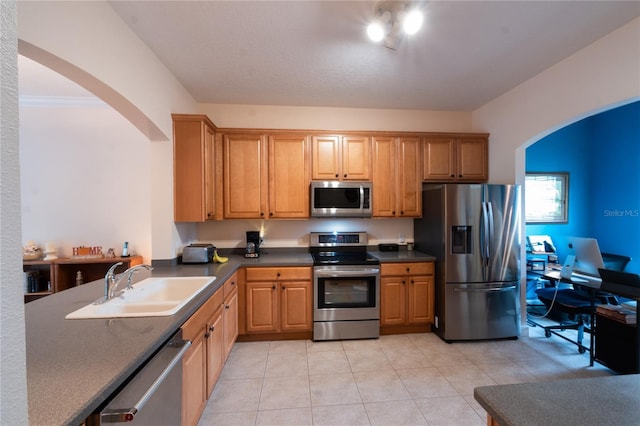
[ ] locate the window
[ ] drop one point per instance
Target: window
(546, 197)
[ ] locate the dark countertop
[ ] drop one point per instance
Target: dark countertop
(73, 366)
(611, 400)
(402, 256)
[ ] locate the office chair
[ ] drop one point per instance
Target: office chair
(574, 304)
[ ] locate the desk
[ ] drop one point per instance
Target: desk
(594, 284)
(612, 400)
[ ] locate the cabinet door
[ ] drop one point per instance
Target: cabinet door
(215, 350)
(289, 177)
(262, 307)
(230, 324)
(325, 157)
(245, 177)
(297, 305)
(384, 177)
(356, 157)
(472, 157)
(420, 299)
(392, 300)
(194, 159)
(409, 184)
(439, 159)
(194, 382)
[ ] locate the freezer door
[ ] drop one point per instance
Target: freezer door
(481, 311)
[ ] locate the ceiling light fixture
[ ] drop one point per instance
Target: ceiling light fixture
(392, 19)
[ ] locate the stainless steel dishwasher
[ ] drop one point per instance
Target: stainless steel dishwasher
(154, 395)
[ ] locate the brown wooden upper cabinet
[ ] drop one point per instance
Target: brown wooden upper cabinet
(337, 157)
(266, 176)
(245, 176)
(194, 157)
(289, 176)
(397, 187)
(462, 159)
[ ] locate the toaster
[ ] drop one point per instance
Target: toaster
(198, 253)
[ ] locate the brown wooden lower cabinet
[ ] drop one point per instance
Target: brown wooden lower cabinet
(406, 296)
(202, 362)
(194, 381)
(230, 313)
(279, 300)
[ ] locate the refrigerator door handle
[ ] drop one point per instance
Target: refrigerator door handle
(491, 231)
(484, 240)
(484, 290)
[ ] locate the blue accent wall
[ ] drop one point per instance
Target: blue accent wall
(602, 156)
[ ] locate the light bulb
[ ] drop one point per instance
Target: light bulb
(412, 22)
(375, 31)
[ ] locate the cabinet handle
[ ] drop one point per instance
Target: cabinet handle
(283, 287)
(209, 214)
(413, 282)
(401, 212)
(273, 287)
(212, 328)
(262, 214)
(453, 175)
(459, 175)
(226, 307)
(337, 175)
(270, 213)
(408, 269)
(233, 283)
(393, 212)
(278, 274)
(345, 175)
(403, 282)
(206, 335)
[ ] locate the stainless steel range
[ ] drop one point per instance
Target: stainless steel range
(346, 284)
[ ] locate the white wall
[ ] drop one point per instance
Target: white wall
(13, 383)
(89, 43)
(285, 117)
(601, 76)
(295, 233)
(85, 177)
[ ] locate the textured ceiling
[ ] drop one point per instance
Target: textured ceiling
(315, 53)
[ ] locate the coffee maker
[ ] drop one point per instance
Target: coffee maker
(253, 244)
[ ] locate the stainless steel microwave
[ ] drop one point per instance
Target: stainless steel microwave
(340, 199)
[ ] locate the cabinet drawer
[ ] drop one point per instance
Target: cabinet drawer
(196, 324)
(278, 274)
(230, 284)
(418, 268)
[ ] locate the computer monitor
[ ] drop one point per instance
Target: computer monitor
(588, 256)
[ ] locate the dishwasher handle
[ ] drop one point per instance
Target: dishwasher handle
(128, 414)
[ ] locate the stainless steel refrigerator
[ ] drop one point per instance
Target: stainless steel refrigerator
(474, 232)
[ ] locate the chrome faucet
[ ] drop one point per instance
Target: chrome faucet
(109, 282)
(129, 274)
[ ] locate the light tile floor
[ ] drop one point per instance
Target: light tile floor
(410, 379)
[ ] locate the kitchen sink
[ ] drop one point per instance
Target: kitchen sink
(151, 297)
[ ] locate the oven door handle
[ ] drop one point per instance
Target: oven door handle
(343, 274)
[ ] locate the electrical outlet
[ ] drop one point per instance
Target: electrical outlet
(401, 237)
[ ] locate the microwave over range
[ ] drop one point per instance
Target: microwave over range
(340, 199)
